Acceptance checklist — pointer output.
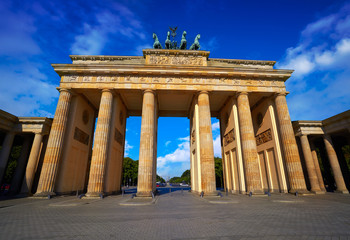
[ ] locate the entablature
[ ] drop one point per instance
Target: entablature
(308, 128)
(147, 70)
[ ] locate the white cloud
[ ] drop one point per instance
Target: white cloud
(217, 146)
(119, 22)
(17, 29)
(25, 90)
(180, 158)
(175, 163)
(215, 126)
(167, 143)
(320, 84)
(184, 139)
(127, 148)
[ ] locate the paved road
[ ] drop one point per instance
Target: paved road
(179, 215)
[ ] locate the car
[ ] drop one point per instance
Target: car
(184, 185)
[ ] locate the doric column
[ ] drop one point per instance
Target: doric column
(333, 160)
(310, 164)
(248, 142)
(32, 164)
(5, 152)
(100, 150)
(289, 145)
(21, 165)
(54, 146)
(206, 145)
(317, 167)
(147, 148)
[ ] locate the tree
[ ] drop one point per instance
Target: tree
(130, 171)
(160, 179)
(175, 180)
(186, 176)
(218, 172)
(12, 164)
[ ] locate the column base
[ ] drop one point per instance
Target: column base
(144, 194)
(94, 195)
(317, 191)
(342, 191)
(44, 195)
(215, 193)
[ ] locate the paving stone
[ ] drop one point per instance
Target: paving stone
(178, 216)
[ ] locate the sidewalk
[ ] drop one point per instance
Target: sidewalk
(179, 215)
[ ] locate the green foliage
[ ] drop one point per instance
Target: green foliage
(175, 180)
(12, 164)
(185, 177)
(218, 172)
(130, 171)
(160, 179)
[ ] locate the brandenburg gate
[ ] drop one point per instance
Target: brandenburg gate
(259, 149)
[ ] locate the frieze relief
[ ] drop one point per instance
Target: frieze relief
(81, 136)
(176, 60)
(175, 80)
(229, 137)
(118, 136)
(263, 137)
(193, 137)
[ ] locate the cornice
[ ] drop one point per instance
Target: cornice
(102, 58)
(190, 71)
(242, 61)
(8, 116)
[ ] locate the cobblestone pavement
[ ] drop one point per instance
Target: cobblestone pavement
(179, 215)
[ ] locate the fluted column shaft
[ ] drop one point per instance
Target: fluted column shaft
(248, 142)
(54, 146)
(21, 165)
(315, 187)
(5, 152)
(289, 145)
(206, 145)
(147, 148)
(32, 164)
(317, 167)
(333, 160)
(100, 150)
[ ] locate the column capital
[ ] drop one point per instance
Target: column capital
(68, 90)
(242, 93)
(277, 94)
(149, 90)
(107, 90)
(203, 92)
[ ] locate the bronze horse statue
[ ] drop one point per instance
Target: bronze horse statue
(196, 45)
(183, 44)
(156, 43)
(167, 41)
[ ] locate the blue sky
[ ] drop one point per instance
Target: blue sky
(311, 37)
